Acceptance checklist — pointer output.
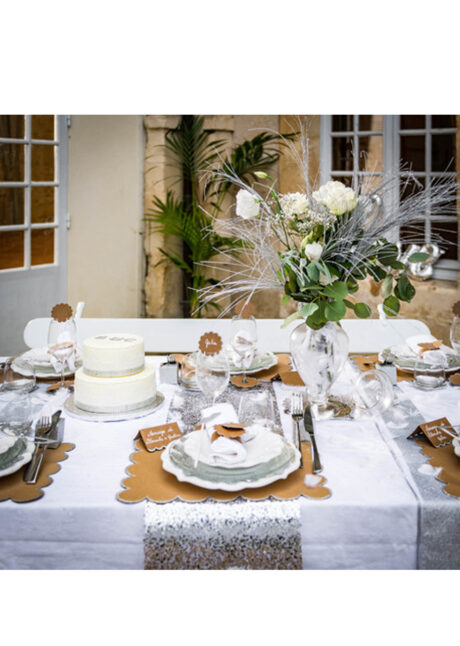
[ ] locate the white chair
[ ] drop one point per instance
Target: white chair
(162, 336)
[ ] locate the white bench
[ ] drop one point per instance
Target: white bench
(162, 336)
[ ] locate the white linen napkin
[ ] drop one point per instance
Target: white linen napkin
(435, 358)
(224, 450)
(41, 357)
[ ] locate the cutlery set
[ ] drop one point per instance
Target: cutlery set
(298, 412)
(48, 435)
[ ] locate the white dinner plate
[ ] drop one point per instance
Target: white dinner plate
(41, 371)
(253, 473)
(12, 464)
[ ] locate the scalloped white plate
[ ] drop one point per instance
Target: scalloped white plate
(5, 443)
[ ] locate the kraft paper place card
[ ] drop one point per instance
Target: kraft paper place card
(434, 432)
(156, 438)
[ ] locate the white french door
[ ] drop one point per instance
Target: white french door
(33, 215)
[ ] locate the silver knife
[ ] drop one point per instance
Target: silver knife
(308, 423)
(41, 444)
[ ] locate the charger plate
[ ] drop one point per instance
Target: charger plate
(277, 459)
(74, 411)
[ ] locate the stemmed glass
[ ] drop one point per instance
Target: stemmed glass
(62, 338)
(455, 334)
(212, 375)
(244, 341)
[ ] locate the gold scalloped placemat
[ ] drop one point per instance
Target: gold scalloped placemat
(147, 480)
(14, 488)
(444, 457)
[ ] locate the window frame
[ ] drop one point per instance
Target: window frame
(60, 144)
(444, 269)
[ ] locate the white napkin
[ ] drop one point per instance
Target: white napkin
(224, 450)
(435, 358)
(246, 349)
(41, 357)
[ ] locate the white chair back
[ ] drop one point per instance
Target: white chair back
(162, 336)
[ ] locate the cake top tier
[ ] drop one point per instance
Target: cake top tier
(113, 355)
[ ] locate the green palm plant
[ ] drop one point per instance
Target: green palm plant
(195, 150)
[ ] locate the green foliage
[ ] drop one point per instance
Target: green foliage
(195, 150)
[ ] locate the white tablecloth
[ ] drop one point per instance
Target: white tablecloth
(369, 522)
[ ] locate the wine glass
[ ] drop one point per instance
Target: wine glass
(257, 408)
(62, 338)
(455, 334)
(244, 342)
(212, 376)
(373, 393)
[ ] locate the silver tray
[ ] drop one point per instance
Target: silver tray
(74, 411)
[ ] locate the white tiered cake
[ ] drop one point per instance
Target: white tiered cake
(114, 377)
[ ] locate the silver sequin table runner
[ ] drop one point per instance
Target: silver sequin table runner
(439, 513)
(238, 534)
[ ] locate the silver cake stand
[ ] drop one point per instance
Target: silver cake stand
(74, 411)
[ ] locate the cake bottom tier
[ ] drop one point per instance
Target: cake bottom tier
(115, 394)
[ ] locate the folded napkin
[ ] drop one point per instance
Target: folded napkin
(224, 450)
(243, 349)
(40, 357)
(435, 358)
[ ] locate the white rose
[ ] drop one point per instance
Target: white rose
(337, 197)
(313, 251)
(247, 206)
(294, 204)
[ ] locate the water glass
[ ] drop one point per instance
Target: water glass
(257, 408)
(186, 374)
(427, 376)
(16, 382)
(16, 415)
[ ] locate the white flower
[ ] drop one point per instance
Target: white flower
(294, 204)
(337, 197)
(247, 206)
(313, 251)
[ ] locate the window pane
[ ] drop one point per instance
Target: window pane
(443, 121)
(348, 181)
(11, 205)
(413, 151)
(370, 153)
(42, 204)
(42, 246)
(342, 122)
(446, 231)
(12, 125)
(42, 163)
(43, 126)
(370, 122)
(11, 249)
(443, 153)
(342, 153)
(11, 163)
(413, 122)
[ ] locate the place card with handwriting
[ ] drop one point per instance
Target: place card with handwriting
(156, 438)
(434, 432)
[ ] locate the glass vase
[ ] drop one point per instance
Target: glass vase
(319, 356)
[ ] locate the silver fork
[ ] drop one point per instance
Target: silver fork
(297, 414)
